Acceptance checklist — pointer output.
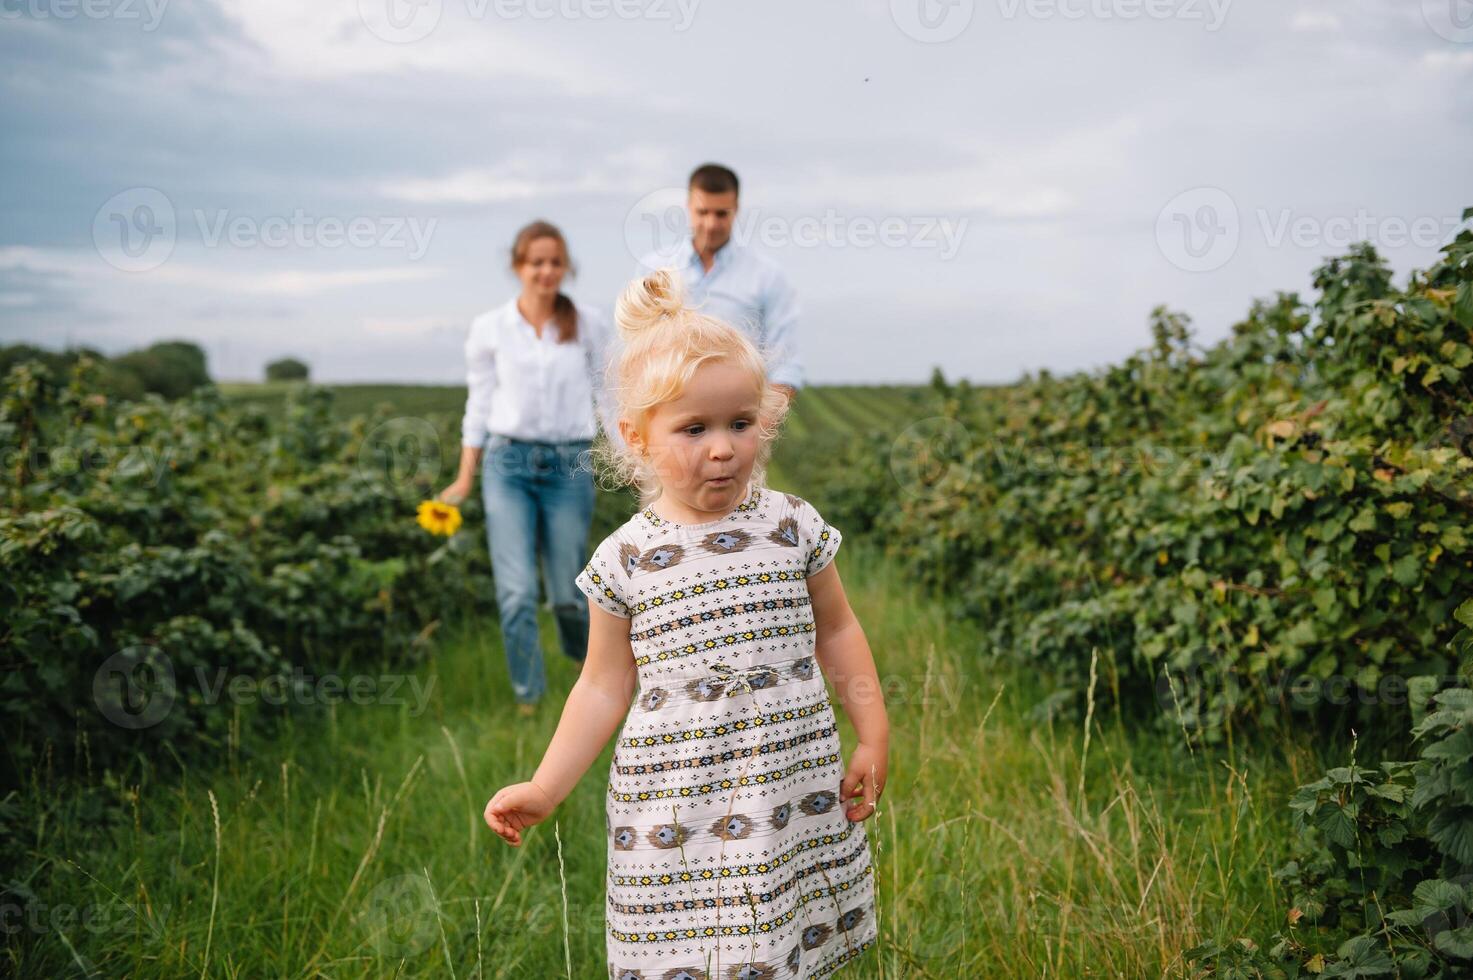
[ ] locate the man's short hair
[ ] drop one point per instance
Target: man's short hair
(713, 178)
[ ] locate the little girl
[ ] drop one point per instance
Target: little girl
(735, 842)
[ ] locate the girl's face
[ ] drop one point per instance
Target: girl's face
(542, 268)
(704, 444)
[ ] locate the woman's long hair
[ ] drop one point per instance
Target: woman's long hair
(564, 314)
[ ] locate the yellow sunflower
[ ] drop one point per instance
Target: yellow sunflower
(438, 517)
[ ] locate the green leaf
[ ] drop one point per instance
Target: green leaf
(1337, 825)
(1435, 895)
(1463, 304)
(1457, 748)
(1361, 957)
(1390, 791)
(1455, 942)
(1456, 699)
(1451, 832)
(1408, 569)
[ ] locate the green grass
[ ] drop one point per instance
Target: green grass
(356, 399)
(351, 843)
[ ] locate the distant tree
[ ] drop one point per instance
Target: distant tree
(57, 362)
(286, 369)
(172, 368)
(114, 381)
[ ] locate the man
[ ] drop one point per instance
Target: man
(731, 282)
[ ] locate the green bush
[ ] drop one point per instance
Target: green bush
(1382, 880)
(156, 543)
(1269, 529)
(286, 369)
(171, 368)
(109, 380)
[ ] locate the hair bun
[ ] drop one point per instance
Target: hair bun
(647, 301)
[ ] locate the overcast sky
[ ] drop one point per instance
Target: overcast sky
(992, 186)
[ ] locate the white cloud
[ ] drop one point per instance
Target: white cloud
(326, 38)
(542, 175)
(488, 186)
(417, 326)
(66, 262)
(84, 265)
(290, 282)
(1314, 21)
(1455, 61)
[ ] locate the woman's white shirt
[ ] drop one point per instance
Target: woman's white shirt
(532, 388)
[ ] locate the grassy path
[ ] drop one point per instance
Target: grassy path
(351, 845)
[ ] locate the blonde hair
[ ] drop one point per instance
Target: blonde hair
(664, 341)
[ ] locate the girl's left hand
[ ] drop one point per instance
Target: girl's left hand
(864, 777)
(516, 807)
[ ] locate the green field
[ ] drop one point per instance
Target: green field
(348, 841)
(992, 858)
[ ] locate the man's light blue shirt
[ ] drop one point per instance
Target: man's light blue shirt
(746, 290)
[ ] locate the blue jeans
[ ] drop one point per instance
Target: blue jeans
(539, 500)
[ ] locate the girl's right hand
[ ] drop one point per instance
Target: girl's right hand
(456, 492)
(516, 807)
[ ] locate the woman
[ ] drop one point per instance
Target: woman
(532, 376)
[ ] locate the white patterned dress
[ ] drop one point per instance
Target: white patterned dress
(729, 854)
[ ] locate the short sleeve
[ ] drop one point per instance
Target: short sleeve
(601, 580)
(820, 538)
